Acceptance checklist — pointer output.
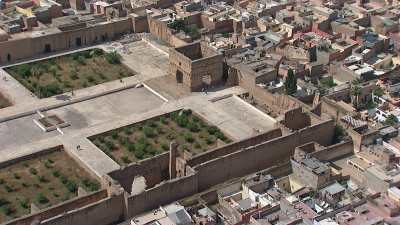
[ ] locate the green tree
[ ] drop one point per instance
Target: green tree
(113, 57)
(391, 120)
(356, 92)
(24, 70)
(177, 25)
(193, 32)
(378, 91)
(339, 134)
(356, 81)
(290, 83)
(36, 71)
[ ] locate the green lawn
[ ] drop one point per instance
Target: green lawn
(45, 181)
(151, 137)
(62, 74)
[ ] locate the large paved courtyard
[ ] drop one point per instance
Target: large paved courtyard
(80, 115)
(109, 106)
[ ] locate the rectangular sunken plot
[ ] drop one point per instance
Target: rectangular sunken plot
(151, 137)
(41, 181)
(66, 73)
(50, 123)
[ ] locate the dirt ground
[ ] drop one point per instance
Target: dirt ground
(45, 181)
(66, 73)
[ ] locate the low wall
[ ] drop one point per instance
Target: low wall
(30, 156)
(154, 169)
(335, 151)
(227, 149)
(162, 194)
(261, 156)
(62, 208)
(104, 212)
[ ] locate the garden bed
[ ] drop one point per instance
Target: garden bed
(44, 180)
(66, 73)
(152, 137)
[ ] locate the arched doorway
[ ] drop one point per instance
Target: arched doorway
(47, 48)
(78, 41)
(179, 76)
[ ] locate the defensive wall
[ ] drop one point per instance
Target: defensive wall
(103, 212)
(232, 147)
(261, 156)
(334, 151)
(60, 209)
(164, 193)
(34, 45)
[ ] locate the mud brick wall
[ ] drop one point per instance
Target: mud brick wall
(154, 169)
(261, 156)
(162, 194)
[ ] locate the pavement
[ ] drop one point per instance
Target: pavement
(15, 92)
(80, 115)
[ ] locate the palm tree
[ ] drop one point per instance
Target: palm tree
(356, 92)
(36, 71)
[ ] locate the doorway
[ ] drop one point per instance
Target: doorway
(78, 41)
(179, 76)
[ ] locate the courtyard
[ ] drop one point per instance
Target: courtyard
(152, 137)
(89, 113)
(44, 181)
(71, 72)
